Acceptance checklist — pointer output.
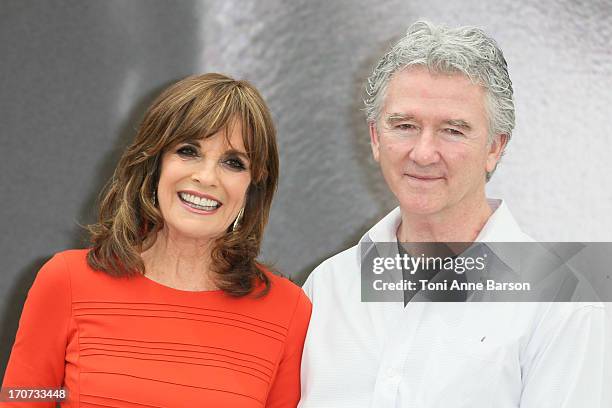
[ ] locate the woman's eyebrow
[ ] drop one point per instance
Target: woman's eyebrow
(237, 153)
(193, 142)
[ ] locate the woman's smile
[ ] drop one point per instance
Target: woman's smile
(199, 203)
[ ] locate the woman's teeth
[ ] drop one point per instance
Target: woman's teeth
(199, 203)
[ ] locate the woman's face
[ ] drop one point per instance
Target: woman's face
(203, 185)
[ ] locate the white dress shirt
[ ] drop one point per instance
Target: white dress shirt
(502, 355)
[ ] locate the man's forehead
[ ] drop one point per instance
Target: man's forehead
(423, 84)
(420, 95)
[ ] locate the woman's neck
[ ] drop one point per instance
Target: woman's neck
(180, 263)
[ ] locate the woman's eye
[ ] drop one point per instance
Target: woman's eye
(235, 164)
(187, 151)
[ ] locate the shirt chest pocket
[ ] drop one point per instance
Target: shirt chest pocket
(456, 380)
(464, 367)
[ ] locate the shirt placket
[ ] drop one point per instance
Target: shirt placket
(392, 372)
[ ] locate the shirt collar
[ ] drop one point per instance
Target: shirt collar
(500, 227)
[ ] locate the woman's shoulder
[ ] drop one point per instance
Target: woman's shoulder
(71, 266)
(73, 257)
(59, 266)
(281, 286)
(285, 298)
(67, 262)
(290, 306)
(284, 293)
(53, 287)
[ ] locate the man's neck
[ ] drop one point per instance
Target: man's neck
(462, 223)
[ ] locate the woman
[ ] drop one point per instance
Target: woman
(169, 308)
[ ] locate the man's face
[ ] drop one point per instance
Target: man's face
(432, 141)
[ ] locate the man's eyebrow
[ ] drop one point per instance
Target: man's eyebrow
(460, 123)
(398, 117)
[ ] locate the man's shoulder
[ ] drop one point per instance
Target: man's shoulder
(341, 268)
(343, 262)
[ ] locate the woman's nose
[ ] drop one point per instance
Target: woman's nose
(206, 174)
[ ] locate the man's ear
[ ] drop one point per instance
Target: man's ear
(374, 140)
(496, 149)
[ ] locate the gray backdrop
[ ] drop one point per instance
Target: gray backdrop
(76, 76)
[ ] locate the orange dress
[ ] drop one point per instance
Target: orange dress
(131, 342)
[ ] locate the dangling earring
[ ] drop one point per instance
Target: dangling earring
(238, 219)
(154, 198)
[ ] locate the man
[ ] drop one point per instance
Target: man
(440, 113)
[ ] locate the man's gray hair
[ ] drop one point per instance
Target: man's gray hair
(466, 50)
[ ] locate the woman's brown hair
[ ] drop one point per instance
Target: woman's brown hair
(195, 107)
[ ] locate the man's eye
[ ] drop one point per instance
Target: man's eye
(453, 132)
(187, 151)
(235, 164)
(405, 126)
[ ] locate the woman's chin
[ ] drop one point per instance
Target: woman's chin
(191, 232)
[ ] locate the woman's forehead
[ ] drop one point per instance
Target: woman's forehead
(229, 137)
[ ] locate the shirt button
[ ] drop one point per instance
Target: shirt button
(393, 376)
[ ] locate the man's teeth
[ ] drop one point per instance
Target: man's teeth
(200, 202)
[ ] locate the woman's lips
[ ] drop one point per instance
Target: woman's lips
(198, 205)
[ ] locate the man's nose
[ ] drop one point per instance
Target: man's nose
(425, 150)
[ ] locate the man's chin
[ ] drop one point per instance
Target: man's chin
(421, 207)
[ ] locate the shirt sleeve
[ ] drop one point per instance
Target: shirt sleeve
(308, 287)
(566, 361)
(285, 391)
(38, 355)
